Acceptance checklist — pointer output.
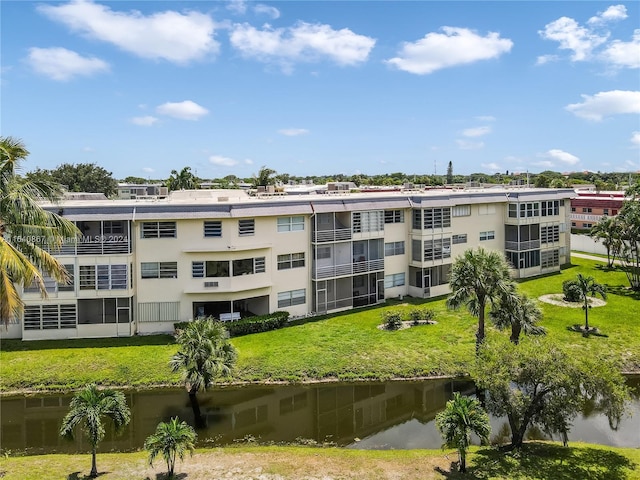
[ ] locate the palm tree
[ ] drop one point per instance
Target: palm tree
(588, 286)
(264, 177)
(184, 180)
(518, 312)
(205, 354)
(477, 277)
(461, 417)
(607, 230)
(27, 231)
(173, 439)
(87, 409)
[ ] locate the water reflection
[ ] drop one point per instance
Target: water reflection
(370, 415)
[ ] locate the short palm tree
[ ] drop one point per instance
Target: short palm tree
(479, 277)
(518, 312)
(172, 439)
(205, 354)
(461, 417)
(27, 231)
(88, 408)
(183, 180)
(588, 286)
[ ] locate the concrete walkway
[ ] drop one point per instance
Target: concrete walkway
(593, 257)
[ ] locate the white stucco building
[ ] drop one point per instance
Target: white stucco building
(142, 265)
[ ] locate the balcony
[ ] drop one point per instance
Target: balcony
(520, 246)
(337, 235)
(96, 245)
(330, 271)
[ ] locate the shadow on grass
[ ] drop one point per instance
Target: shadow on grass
(593, 331)
(623, 291)
(165, 476)
(546, 461)
(79, 476)
(145, 340)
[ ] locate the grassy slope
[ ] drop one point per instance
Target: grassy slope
(345, 346)
(536, 461)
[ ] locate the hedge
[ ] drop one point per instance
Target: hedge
(245, 326)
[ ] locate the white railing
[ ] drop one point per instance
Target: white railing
(518, 246)
(348, 269)
(332, 235)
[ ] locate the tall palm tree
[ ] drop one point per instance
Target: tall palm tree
(518, 312)
(479, 277)
(183, 180)
(607, 230)
(264, 177)
(27, 231)
(172, 439)
(205, 354)
(461, 417)
(588, 286)
(88, 409)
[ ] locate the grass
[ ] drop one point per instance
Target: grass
(536, 461)
(345, 346)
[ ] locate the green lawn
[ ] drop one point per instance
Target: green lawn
(345, 346)
(536, 461)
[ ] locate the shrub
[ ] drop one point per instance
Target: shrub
(392, 319)
(245, 326)
(415, 315)
(571, 291)
(427, 314)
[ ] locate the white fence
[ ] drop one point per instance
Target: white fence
(584, 243)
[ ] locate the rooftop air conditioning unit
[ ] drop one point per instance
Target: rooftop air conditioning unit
(210, 284)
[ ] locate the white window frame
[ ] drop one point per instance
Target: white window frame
(292, 297)
(290, 224)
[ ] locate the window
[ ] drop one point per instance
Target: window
(290, 224)
(213, 229)
(524, 259)
(586, 210)
(549, 258)
(461, 238)
(549, 208)
(436, 218)
(587, 225)
(550, 234)
(159, 269)
(292, 297)
(49, 316)
(246, 227)
(486, 209)
(394, 280)
(51, 285)
(372, 221)
(573, 224)
(393, 216)
(248, 266)
(605, 211)
(513, 210)
(437, 249)
(490, 235)
(573, 209)
(113, 227)
(158, 230)
(290, 260)
(103, 277)
(393, 248)
(323, 252)
(210, 269)
(461, 211)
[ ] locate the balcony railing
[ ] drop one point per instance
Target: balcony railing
(331, 271)
(92, 247)
(519, 246)
(586, 217)
(338, 235)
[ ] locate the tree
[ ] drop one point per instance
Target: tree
(88, 408)
(607, 230)
(518, 312)
(628, 221)
(588, 286)
(135, 180)
(477, 277)
(450, 173)
(264, 177)
(537, 383)
(27, 231)
(183, 180)
(81, 177)
(205, 354)
(542, 181)
(461, 417)
(172, 439)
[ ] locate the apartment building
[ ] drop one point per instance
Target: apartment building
(139, 266)
(588, 207)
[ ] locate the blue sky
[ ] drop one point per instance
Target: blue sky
(319, 88)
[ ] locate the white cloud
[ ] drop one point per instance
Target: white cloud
(267, 10)
(476, 132)
(561, 156)
(602, 104)
(571, 36)
(238, 7)
(186, 110)
(304, 42)
(614, 12)
(456, 46)
(635, 138)
(61, 64)
(467, 145)
(221, 161)
(248, 161)
(486, 118)
(172, 36)
(145, 121)
(493, 167)
(88, 149)
(544, 59)
(292, 132)
(623, 54)
(148, 170)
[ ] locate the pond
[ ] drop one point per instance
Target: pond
(391, 415)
